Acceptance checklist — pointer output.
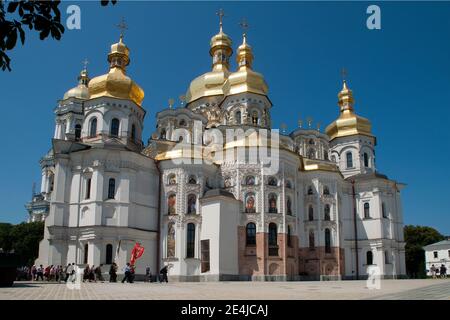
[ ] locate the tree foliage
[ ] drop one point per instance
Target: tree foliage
(416, 237)
(23, 238)
(43, 17)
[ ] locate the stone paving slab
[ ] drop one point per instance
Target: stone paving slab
(304, 290)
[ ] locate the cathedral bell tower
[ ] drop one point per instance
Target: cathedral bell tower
(352, 143)
(69, 112)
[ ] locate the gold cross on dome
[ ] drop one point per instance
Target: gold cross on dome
(221, 14)
(244, 25)
(344, 74)
(122, 27)
(171, 101)
(85, 63)
(182, 99)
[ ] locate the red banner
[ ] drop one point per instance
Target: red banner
(136, 253)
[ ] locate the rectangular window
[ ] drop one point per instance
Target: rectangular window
(449, 253)
(435, 254)
(190, 245)
(88, 189)
(205, 255)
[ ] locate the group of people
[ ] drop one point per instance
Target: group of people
(436, 271)
(59, 273)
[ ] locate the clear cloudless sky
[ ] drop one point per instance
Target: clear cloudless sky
(400, 76)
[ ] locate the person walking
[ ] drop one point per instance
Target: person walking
(433, 271)
(33, 273)
(127, 273)
(86, 273)
(40, 273)
(148, 274)
(443, 271)
(113, 272)
(98, 273)
(68, 271)
(163, 274)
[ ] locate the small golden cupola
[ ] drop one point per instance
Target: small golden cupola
(116, 83)
(245, 79)
(81, 91)
(348, 123)
(211, 83)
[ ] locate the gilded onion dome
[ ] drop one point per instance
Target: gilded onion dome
(348, 122)
(245, 79)
(116, 83)
(81, 91)
(211, 83)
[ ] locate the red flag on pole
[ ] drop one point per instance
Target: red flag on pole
(136, 253)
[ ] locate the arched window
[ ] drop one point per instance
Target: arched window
(272, 181)
(312, 244)
(311, 154)
(369, 258)
(289, 241)
(289, 206)
(87, 194)
(192, 180)
(273, 203)
(366, 160)
(349, 160)
(325, 155)
(112, 188)
(163, 134)
(254, 118)
(250, 203)
(310, 213)
(311, 141)
(190, 243)
(386, 257)
(237, 117)
(250, 231)
(310, 190)
(171, 204)
(133, 133)
(250, 180)
(192, 203)
(327, 212)
(182, 123)
(273, 234)
(115, 123)
(366, 210)
(93, 128)
(86, 253)
(109, 254)
(77, 132)
(327, 241)
(326, 190)
(383, 210)
(333, 158)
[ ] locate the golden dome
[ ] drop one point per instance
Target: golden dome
(116, 83)
(81, 91)
(211, 83)
(245, 79)
(348, 122)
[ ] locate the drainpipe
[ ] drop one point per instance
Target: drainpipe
(158, 234)
(355, 229)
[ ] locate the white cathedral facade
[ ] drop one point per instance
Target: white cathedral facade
(325, 213)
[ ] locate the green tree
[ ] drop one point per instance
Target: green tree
(42, 16)
(416, 237)
(23, 238)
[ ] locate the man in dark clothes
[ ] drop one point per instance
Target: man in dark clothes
(163, 276)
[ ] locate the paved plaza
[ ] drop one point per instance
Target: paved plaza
(347, 290)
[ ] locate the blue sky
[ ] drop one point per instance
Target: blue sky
(400, 76)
